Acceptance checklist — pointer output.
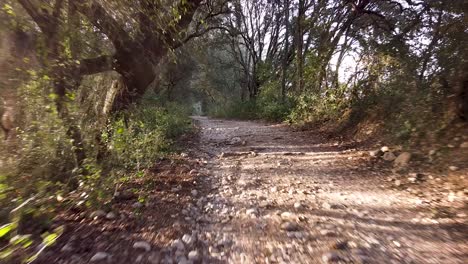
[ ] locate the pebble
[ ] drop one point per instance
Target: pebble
(99, 256)
(331, 257)
(375, 153)
(251, 211)
(194, 192)
(142, 245)
(389, 156)
(154, 258)
(137, 205)
(329, 233)
(67, 248)
(341, 245)
(286, 215)
(193, 255)
(183, 260)
(453, 168)
(290, 226)
(298, 205)
(111, 216)
(385, 149)
(188, 239)
(464, 144)
(403, 159)
(179, 245)
(98, 214)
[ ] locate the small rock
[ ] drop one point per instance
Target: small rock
(188, 239)
(183, 260)
(328, 233)
(432, 152)
(179, 245)
(397, 183)
(286, 215)
(402, 160)
(384, 149)
(375, 153)
(98, 214)
(290, 226)
(340, 245)
(236, 141)
(251, 211)
(137, 205)
(194, 192)
(453, 168)
(124, 195)
(298, 205)
(99, 256)
(331, 257)
(193, 255)
(142, 245)
(464, 144)
(111, 216)
(154, 258)
(328, 206)
(274, 189)
(389, 156)
(67, 248)
(451, 197)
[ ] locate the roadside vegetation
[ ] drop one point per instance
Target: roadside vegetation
(95, 92)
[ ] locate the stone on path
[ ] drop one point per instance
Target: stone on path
(290, 226)
(142, 245)
(193, 255)
(99, 257)
(389, 156)
(111, 216)
(331, 257)
(98, 214)
(402, 160)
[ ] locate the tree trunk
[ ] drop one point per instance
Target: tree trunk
(299, 47)
(286, 52)
(138, 72)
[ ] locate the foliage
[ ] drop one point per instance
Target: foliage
(140, 136)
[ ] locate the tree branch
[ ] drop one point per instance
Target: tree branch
(99, 17)
(96, 65)
(43, 20)
(189, 7)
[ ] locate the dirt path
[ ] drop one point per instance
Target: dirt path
(249, 192)
(283, 197)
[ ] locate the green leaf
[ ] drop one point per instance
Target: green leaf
(6, 253)
(50, 239)
(5, 229)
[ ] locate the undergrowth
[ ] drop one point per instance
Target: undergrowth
(39, 175)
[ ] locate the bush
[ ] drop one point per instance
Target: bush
(41, 163)
(141, 135)
(236, 110)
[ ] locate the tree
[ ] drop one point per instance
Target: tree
(137, 45)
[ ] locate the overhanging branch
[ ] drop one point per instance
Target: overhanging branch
(99, 17)
(96, 65)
